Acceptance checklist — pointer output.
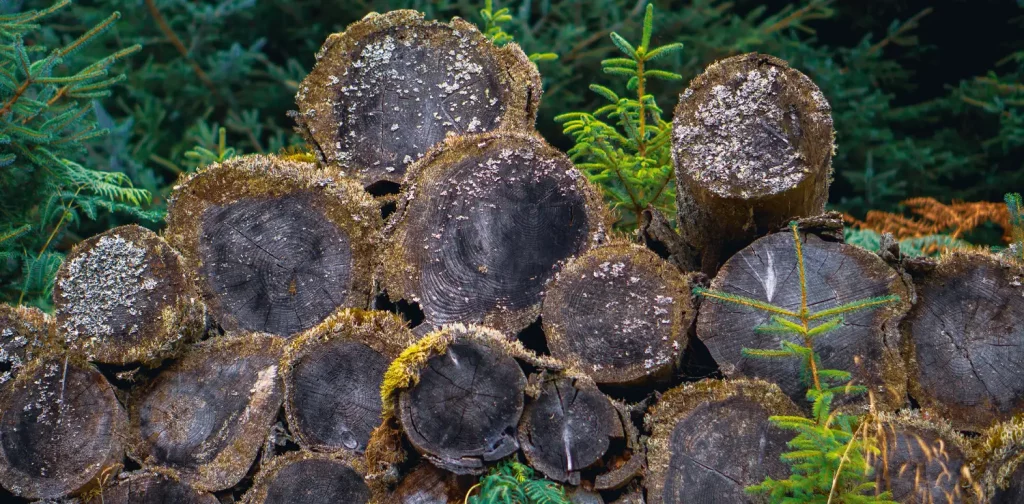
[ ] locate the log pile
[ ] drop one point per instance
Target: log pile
(242, 355)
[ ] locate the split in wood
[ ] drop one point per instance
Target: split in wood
(309, 478)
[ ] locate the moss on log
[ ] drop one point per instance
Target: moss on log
(25, 334)
(998, 462)
(309, 478)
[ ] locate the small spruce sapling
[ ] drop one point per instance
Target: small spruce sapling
(512, 482)
(830, 456)
(625, 146)
(493, 30)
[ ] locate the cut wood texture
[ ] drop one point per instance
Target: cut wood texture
(712, 439)
(124, 297)
(965, 340)
(25, 334)
(209, 413)
(309, 478)
(867, 343)
(752, 148)
(483, 224)
(999, 462)
(619, 313)
(61, 429)
(278, 245)
(332, 377)
(393, 85)
(151, 486)
(426, 484)
(567, 427)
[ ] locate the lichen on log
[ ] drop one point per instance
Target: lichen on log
(998, 462)
(25, 334)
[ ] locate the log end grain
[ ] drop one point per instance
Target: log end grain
(309, 478)
(150, 486)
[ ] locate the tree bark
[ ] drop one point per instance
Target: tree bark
(752, 148)
(309, 478)
(151, 486)
(25, 334)
(61, 429)
(967, 328)
(209, 413)
(276, 245)
(484, 222)
(124, 297)
(332, 378)
(866, 344)
(392, 86)
(619, 313)
(712, 439)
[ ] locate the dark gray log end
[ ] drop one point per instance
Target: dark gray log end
(151, 486)
(307, 478)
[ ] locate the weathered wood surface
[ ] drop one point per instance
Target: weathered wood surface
(619, 313)
(867, 343)
(332, 376)
(393, 85)
(711, 439)
(124, 297)
(277, 245)
(308, 478)
(25, 334)
(150, 486)
(752, 146)
(209, 413)
(484, 222)
(426, 484)
(967, 329)
(61, 429)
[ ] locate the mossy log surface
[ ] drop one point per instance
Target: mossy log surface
(209, 413)
(124, 297)
(309, 478)
(277, 245)
(25, 334)
(712, 439)
(152, 486)
(752, 148)
(393, 85)
(999, 461)
(967, 329)
(61, 429)
(485, 221)
(866, 344)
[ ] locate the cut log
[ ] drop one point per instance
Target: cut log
(61, 429)
(998, 462)
(309, 478)
(712, 439)
(278, 245)
(25, 334)
(485, 221)
(209, 413)
(752, 147)
(426, 484)
(568, 427)
(332, 377)
(967, 328)
(867, 343)
(619, 313)
(392, 86)
(124, 297)
(151, 486)
(922, 461)
(466, 403)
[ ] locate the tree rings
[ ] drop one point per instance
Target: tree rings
(308, 478)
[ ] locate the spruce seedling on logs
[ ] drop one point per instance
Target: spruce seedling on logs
(511, 482)
(829, 457)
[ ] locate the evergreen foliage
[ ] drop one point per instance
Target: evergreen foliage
(512, 482)
(829, 457)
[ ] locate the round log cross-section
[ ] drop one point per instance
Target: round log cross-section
(392, 85)
(712, 439)
(153, 486)
(307, 478)
(967, 328)
(278, 245)
(426, 484)
(209, 413)
(752, 146)
(465, 407)
(25, 333)
(866, 344)
(332, 376)
(620, 314)
(124, 296)
(61, 429)
(485, 221)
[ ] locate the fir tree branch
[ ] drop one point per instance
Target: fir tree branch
(180, 46)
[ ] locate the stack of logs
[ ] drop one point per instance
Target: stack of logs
(436, 289)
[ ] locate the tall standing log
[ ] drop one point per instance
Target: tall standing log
(61, 429)
(208, 414)
(309, 478)
(392, 85)
(277, 245)
(967, 328)
(999, 462)
(619, 313)
(25, 334)
(752, 148)
(712, 439)
(484, 222)
(124, 297)
(151, 486)
(332, 377)
(866, 344)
